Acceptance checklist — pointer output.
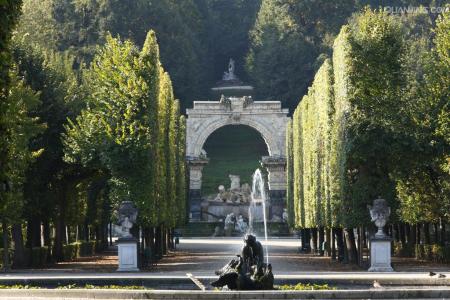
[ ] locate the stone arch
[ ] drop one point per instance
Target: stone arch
(210, 127)
(266, 117)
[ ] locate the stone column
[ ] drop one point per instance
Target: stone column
(276, 166)
(196, 165)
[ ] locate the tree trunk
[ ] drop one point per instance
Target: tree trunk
(436, 233)
(68, 237)
(340, 244)
(6, 265)
(443, 233)
(110, 234)
(351, 246)
(158, 246)
(33, 232)
(321, 240)
(364, 237)
(401, 228)
(396, 227)
(20, 259)
(306, 246)
(314, 240)
(407, 229)
(426, 233)
(152, 239)
(333, 243)
(86, 236)
(46, 238)
(169, 239)
(60, 238)
(164, 240)
(327, 241)
(418, 235)
(360, 245)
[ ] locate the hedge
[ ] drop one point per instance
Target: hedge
(429, 252)
(433, 252)
(77, 249)
(404, 249)
(87, 248)
(1, 256)
(71, 251)
(336, 167)
(39, 256)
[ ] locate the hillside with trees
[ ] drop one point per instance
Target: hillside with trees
(92, 96)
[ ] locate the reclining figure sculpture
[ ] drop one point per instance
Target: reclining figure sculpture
(248, 271)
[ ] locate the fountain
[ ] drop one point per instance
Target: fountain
(248, 271)
(257, 208)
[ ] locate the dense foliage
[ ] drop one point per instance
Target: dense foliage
(88, 116)
(129, 131)
(375, 123)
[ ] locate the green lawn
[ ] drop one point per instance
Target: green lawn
(233, 149)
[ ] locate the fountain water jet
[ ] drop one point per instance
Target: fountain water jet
(258, 195)
(248, 271)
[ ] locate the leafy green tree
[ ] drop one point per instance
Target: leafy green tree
(49, 179)
(422, 182)
(128, 129)
(9, 14)
(20, 127)
(287, 32)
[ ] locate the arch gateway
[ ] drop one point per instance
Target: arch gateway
(266, 117)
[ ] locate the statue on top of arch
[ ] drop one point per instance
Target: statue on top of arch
(230, 74)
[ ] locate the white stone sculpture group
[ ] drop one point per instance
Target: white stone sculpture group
(237, 193)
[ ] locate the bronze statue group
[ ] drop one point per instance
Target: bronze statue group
(248, 271)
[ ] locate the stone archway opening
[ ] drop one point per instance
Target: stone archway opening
(232, 149)
(266, 117)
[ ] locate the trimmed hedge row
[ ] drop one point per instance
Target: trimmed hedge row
(433, 252)
(39, 256)
(338, 129)
(1, 256)
(75, 250)
(403, 249)
(430, 252)
(87, 248)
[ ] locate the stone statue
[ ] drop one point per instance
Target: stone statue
(248, 271)
(246, 191)
(127, 217)
(379, 214)
(235, 194)
(225, 102)
(247, 101)
(230, 74)
(285, 215)
(235, 182)
(241, 226)
(229, 224)
(221, 194)
(231, 66)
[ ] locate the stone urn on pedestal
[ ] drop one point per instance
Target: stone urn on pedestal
(127, 244)
(380, 243)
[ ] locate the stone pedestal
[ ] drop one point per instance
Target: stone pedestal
(276, 166)
(380, 255)
(128, 254)
(195, 165)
